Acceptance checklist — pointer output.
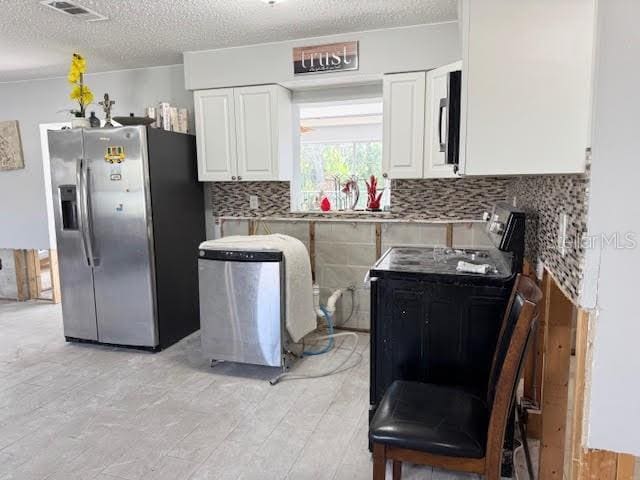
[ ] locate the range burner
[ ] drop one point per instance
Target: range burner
(404, 261)
(412, 251)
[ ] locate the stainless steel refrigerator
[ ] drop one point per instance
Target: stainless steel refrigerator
(129, 214)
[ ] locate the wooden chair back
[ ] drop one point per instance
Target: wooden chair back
(515, 336)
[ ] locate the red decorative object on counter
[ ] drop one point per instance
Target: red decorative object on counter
(325, 204)
(373, 197)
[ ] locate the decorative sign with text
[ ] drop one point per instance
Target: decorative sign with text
(325, 58)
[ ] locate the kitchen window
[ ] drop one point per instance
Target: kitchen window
(340, 148)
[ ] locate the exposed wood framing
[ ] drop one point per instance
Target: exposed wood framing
(22, 283)
(378, 240)
(626, 467)
(605, 465)
(449, 235)
(56, 295)
(582, 347)
(555, 390)
(33, 274)
(312, 249)
(589, 464)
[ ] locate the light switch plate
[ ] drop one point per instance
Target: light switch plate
(254, 203)
(539, 269)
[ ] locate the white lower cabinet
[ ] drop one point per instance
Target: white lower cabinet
(244, 133)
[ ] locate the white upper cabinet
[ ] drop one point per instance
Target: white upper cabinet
(257, 134)
(215, 134)
(403, 124)
(435, 159)
(526, 86)
(244, 133)
(260, 152)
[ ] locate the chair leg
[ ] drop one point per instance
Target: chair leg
(494, 470)
(397, 470)
(379, 462)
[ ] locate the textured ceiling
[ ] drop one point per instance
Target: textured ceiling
(36, 42)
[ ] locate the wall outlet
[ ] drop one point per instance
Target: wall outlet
(254, 203)
(563, 223)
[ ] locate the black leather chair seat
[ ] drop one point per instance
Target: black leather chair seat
(431, 418)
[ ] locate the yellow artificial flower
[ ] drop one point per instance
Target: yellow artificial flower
(78, 62)
(82, 94)
(74, 74)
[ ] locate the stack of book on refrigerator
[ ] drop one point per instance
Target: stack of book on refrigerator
(169, 118)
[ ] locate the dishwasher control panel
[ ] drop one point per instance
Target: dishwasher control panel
(240, 255)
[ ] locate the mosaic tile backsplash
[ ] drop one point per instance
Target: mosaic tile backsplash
(544, 198)
(231, 199)
(447, 198)
(430, 199)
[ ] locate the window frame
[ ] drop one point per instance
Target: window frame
(328, 97)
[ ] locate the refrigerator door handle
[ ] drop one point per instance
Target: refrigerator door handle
(81, 178)
(93, 260)
(80, 194)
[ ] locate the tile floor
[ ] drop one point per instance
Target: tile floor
(85, 412)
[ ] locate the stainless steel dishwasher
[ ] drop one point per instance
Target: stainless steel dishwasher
(242, 306)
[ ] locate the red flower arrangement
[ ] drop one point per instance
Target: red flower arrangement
(373, 197)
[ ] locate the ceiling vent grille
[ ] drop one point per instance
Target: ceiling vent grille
(74, 10)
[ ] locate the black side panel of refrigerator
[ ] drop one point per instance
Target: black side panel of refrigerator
(177, 200)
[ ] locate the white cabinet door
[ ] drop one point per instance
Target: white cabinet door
(403, 124)
(257, 132)
(435, 165)
(526, 83)
(215, 134)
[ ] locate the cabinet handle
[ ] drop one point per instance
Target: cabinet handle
(239, 177)
(385, 175)
(233, 178)
(443, 105)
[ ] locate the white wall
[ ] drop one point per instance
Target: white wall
(420, 47)
(611, 278)
(23, 214)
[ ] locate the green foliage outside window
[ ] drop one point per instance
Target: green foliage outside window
(322, 162)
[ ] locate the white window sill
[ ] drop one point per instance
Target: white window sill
(364, 213)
